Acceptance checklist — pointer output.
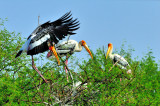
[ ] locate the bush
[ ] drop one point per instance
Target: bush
(96, 82)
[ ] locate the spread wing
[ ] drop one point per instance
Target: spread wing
(53, 32)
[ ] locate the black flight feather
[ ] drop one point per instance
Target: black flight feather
(57, 30)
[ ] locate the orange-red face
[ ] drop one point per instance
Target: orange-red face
(83, 43)
(110, 46)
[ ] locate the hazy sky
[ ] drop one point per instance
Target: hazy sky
(101, 21)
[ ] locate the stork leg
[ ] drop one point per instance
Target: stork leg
(66, 62)
(35, 68)
(70, 74)
(120, 79)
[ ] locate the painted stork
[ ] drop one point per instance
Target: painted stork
(67, 48)
(119, 60)
(46, 35)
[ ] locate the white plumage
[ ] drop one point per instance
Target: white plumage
(39, 42)
(67, 48)
(49, 32)
(42, 38)
(119, 60)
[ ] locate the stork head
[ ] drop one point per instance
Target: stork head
(110, 47)
(83, 43)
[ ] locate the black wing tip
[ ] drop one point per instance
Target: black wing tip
(66, 15)
(19, 53)
(72, 24)
(66, 25)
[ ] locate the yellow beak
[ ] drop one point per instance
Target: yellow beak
(55, 54)
(88, 50)
(108, 51)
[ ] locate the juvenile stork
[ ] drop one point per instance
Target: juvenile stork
(47, 34)
(117, 59)
(67, 48)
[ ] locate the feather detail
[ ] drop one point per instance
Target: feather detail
(50, 32)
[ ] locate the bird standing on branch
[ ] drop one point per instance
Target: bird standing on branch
(117, 59)
(67, 48)
(47, 34)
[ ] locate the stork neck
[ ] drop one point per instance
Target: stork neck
(110, 54)
(78, 48)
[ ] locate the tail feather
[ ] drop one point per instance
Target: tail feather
(19, 53)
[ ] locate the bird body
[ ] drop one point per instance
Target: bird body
(49, 31)
(120, 60)
(46, 35)
(116, 58)
(67, 48)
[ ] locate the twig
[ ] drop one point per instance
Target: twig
(56, 99)
(114, 65)
(41, 102)
(122, 89)
(37, 102)
(84, 69)
(68, 38)
(67, 69)
(126, 85)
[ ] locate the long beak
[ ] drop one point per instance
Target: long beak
(108, 51)
(88, 50)
(55, 54)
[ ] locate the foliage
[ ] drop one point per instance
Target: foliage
(96, 82)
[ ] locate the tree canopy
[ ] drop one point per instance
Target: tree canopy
(95, 82)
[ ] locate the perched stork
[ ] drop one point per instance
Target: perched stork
(47, 34)
(119, 60)
(67, 48)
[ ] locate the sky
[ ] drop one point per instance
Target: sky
(101, 21)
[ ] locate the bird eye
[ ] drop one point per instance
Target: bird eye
(109, 44)
(83, 42)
